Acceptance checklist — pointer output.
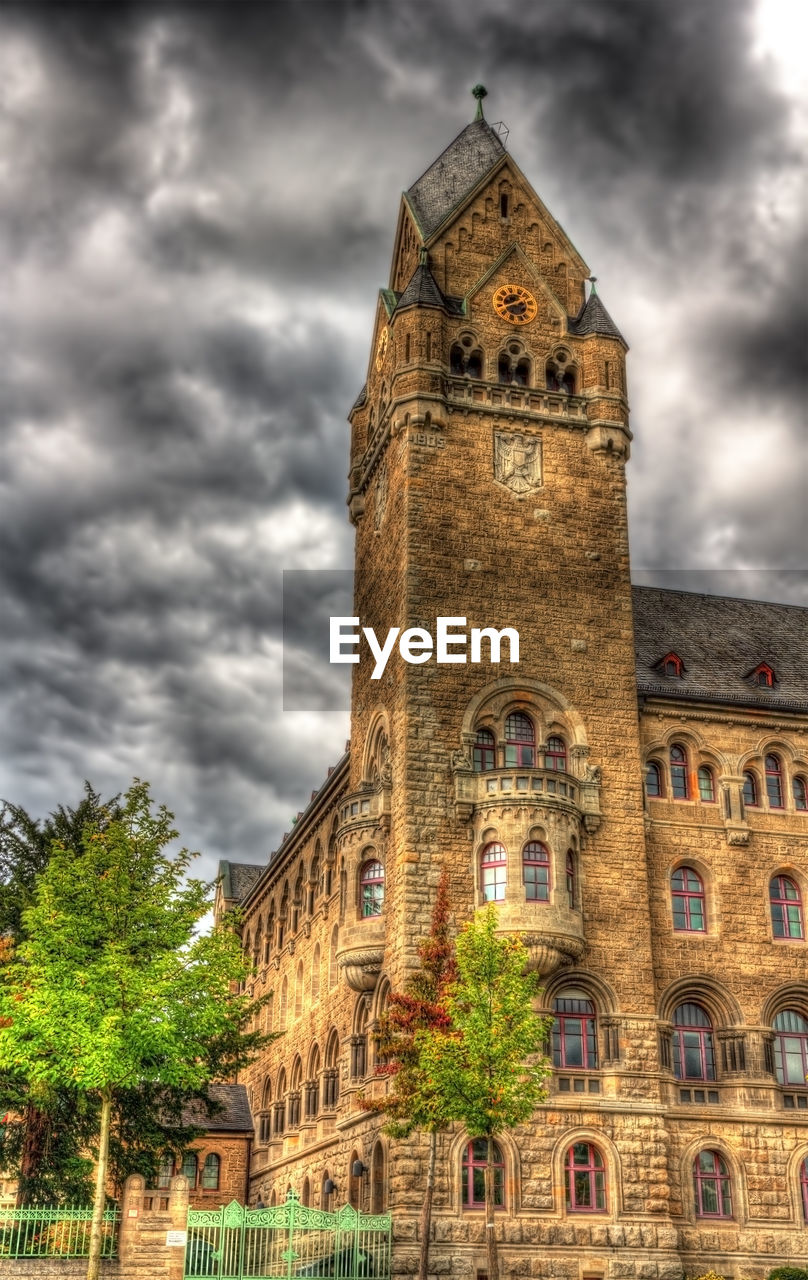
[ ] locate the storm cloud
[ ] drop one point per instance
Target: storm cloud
(197, 207)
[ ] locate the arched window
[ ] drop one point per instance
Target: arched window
(678, 763)
(354, 1181)
(313, 1085)
(503, 369)
(315, 974)
(799, 790)
(786, 908)
(711, 1186)
(791, 1048)
(555, 757)
(653, 779)
(575, 1041)
(190, 1165)
(456, 360)
(280, 1104)
(474, 365)
(536, 871)
(774, 781)
(305, 1194)
(750, 789)
(572, 880)
(485, 751)
(706, 785)
(371, 885)
(475, 1158)
(284, 1005)
(693, 1051)
(333, 968)
(299, 990)
(331, 1073)
(210, 1173)
(687, 900)
(804, 1187)
(521, 374)
(493, 872)
(520, 741)
(585, 1179)
(359, 1042)
(378, 1180)
(164, 1174)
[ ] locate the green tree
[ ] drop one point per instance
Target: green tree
(50, 1129)
(414, 1102)
(488, 1069)
(112, 987)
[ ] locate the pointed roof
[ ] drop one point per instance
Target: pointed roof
(594, 318)
(454, 175)
(422, 290)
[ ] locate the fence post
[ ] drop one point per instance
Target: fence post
(131, 1212)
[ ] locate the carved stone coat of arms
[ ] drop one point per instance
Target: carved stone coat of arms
(517, 461)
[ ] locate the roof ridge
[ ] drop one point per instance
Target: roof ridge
(712, 595)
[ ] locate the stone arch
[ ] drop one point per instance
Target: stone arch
(611, 1158)
(710, 1141)
(377, 746)
(508, 691)
(792, 995)
(702, 988)
(603, 994)
(513, 1169)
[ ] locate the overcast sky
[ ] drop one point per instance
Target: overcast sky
(197, 208)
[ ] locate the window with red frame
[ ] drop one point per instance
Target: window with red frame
(786, 908)
(575, 1038)
(371, 888)
(572, 894)
(475, 1158)
(679, 784)
(706, 785)
(555, 757)
(536, 871)
(804, 1187)
(585, 1179)
(520, 741)
(750, 789)
(774, 781)
(687, 900)
(693, 1050)
(711, 1186)
(799, 790)
(671, 665)
(763, 675)
(653, 779)
(791, 1049)
(484, 755)
(493, 872)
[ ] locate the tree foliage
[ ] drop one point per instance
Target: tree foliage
(111, 988)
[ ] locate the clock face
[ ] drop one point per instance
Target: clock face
(381, 347)
(515, 304)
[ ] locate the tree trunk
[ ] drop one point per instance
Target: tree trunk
(37, 1124)
(426, 1210)
(490, 1232)
(94, 1260)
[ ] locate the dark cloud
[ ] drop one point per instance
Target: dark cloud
(197, 207)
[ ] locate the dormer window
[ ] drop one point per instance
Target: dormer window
(763, 676)
(671, 665)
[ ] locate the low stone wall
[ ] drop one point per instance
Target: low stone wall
(147, 1218)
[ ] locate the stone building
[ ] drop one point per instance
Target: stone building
(632, 793)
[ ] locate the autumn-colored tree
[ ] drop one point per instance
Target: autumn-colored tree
(488, 1070)
(413, 1101)
(112, 988)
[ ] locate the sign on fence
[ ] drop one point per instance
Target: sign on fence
(286, 1242)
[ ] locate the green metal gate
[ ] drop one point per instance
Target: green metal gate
(286, 1242)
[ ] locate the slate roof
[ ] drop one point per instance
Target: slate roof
(720, 640)
(594, 318)
(422, 291)
(235, 1116)
(238, 878)
(454, 174)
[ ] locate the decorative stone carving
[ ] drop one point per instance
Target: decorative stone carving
(461, 760)
(550, 951)
(362, 968)
(517, 462)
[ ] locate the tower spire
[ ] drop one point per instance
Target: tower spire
(479, 92)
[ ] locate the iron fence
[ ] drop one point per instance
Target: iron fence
(286, 1242)
(50, 1232)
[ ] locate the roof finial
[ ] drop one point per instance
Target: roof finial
(592, 280)
(479, 92)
